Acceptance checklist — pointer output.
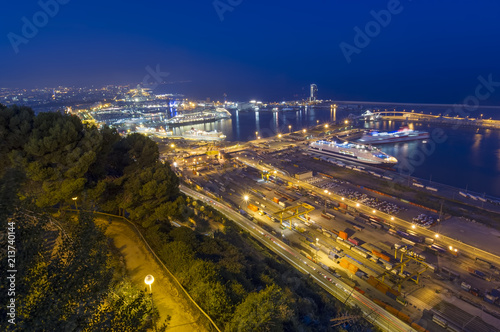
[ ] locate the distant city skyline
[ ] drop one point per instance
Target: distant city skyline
(397, 51)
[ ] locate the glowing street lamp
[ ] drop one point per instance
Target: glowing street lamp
(413, 226)
(148, 281)
(392, 218)
(289, 129)
(436, 235)
(279, 135)
(245, 198)
(304, 131)
(172, 145)
(74, 199)
(357, 204)
(256, 133)
(374, 211)
(326, 126)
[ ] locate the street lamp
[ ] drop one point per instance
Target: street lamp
(76, 205)
(413, 226)
(357, 204)
(436, 235)
(326, 126)
(317, 249)
(172, 145)
(304, 131)
(346, 122)
(245, 198)
(374, 211)
(148, 281)
(289, 129)
(279, 135)
(256, 133)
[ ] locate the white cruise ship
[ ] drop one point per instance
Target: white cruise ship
(402, 135)
(351, 151)
(204, 135)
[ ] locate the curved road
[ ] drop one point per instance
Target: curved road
(373, 312)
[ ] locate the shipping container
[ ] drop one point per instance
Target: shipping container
(343, 235)
(354, 241)
(359, 251)
(253, 207)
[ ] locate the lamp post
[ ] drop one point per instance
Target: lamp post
(148, 281)
(76, 205)
(328, 193)
(246, 199)
(289, 129)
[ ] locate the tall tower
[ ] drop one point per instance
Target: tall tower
(314, 92)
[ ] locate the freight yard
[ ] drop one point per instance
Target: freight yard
(343, 222)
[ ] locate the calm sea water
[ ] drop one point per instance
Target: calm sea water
(464, 158)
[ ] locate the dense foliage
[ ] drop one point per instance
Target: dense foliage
(62, 159)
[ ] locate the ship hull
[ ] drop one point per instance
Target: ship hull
(345, 157)
(191, 122)
(387, 140)
(367, 155)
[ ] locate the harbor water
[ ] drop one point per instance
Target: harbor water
(466, 158)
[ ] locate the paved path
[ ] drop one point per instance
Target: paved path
(139, 263)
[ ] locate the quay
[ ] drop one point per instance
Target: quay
(430, 118)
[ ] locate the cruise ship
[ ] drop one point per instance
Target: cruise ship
(206, 115)
(354, 152)
(402, 135)
(203, 135)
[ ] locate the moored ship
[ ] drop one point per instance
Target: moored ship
(206, 115)
(203, 135)
(352, 151)
(402, 135)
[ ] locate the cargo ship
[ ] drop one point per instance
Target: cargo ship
(402, 135)
(203, 135)
(203, 116)
(354, 152)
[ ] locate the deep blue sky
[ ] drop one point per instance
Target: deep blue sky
(432, 51)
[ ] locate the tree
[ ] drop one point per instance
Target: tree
(16, 124)
(148, 194)
(58, 155)
(262, 311)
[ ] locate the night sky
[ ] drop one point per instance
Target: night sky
(430, 51)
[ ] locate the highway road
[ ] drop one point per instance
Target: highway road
(447, 241)
(373, 312)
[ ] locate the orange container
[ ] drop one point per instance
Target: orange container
(343, 235)
(253, 207)
(392, 310)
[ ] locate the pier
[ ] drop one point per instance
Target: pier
(430, 118)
